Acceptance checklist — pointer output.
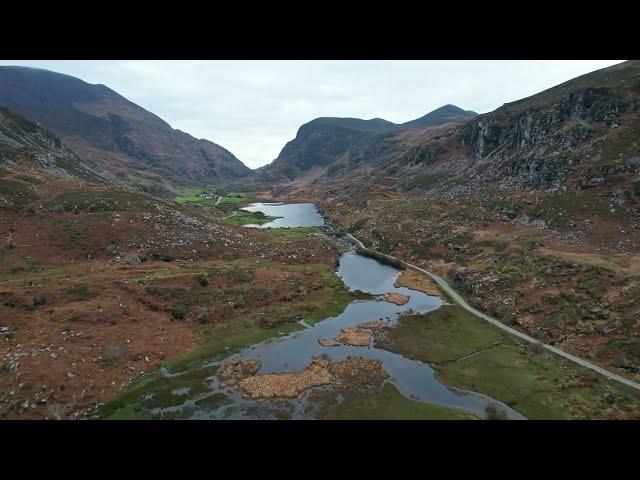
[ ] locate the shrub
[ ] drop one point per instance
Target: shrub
(153, 290)
(81, 290)
(203, 317)
(162, 256)
(31, 304)
(179, 312)
(42, 299)
(203, 281)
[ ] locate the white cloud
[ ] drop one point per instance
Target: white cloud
(253, 108)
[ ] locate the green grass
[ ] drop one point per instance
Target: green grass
(390, 404)
(443, 335)
(195, 195)
(153, 390)
(534, 382)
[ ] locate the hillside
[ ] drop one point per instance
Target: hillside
(115, 134)
(330, 143)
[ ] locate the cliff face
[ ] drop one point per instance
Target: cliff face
(110, 131)
(540, 146)
(576, 136)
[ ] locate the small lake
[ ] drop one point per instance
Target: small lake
(292, 214)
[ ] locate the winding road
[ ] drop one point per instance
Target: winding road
(462, 303)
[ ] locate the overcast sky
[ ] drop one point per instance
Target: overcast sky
(253, 108)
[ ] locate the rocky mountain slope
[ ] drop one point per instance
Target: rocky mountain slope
(29, 155)
(115, 134)
(329, 143)
(578, 135)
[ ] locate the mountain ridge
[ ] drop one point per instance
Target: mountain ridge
(327, 142)
(106, 128)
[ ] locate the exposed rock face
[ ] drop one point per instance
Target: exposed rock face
(101, 125)
(542, 132)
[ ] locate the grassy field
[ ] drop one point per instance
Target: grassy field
(390, 404)
(195, 195)
(468, 353)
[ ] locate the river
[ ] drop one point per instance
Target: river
(294, 352)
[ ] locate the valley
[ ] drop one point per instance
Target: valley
(131, 287)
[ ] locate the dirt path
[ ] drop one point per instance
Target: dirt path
(462, 303)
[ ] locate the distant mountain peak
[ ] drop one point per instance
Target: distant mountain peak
(445, 114)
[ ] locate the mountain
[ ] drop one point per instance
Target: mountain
(440, 116)
(573, 136)
(105, 128)
(330, 142)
